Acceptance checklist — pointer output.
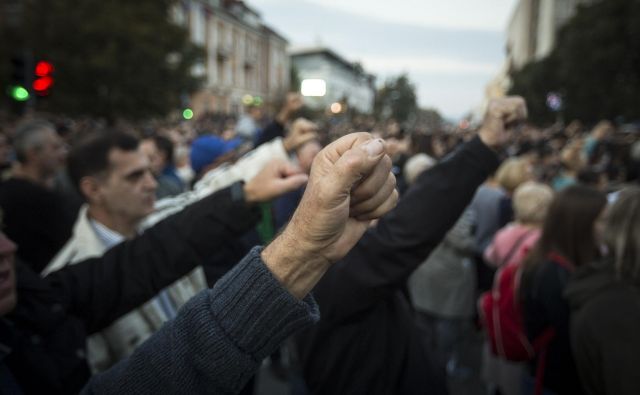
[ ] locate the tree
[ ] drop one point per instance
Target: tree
(396, 99)
(595, 65)
(113, 58)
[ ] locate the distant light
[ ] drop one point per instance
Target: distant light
(41, 85)
(313, 87)
(247, 100)
(19, 93)
(554, 101)
(43, 68)
(336, 108)
(187, 113)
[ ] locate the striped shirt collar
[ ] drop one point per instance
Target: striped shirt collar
(108, 237)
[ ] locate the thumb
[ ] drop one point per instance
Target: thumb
(357, 163)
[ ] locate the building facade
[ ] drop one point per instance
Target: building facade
(244, 57)
(531, 35)
(533, 29)
(345, 82)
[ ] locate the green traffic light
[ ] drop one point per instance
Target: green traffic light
(187, 113)
(19, 93)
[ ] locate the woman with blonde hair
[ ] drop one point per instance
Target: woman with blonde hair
(510, 175)
(530, 203)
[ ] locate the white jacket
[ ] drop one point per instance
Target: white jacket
(124, 335)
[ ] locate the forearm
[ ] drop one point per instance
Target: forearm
(387, 254)
(103, 289)
(244, 169)
(218, 340)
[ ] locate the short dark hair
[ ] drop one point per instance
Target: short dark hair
(28, 136)
(164, 145)
(91, 156)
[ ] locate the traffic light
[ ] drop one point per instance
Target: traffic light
(44, 78)
(17, 89)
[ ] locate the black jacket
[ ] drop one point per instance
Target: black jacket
(605, 324)
(37, 219)
(366, 341)
(544, 306)
(43, 340)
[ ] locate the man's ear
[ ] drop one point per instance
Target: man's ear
(90, 188)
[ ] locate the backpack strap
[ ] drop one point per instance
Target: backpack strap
(515, 246)
(541, 343)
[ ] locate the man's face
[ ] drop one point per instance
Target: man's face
(52, 154)
(156, 159)
(128, 190)
(7, 275)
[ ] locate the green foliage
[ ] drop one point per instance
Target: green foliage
(396, 99)
(595, 65)
(113, 58)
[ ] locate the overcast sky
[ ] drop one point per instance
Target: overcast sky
(450, 49)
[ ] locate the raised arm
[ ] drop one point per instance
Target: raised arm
(102, 289)
(387, 254)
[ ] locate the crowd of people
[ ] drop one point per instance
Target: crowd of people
(176, 257)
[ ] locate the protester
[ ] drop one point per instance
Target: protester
(160, 151)
(443, 293)
(367, 341)
(220, 342)
(36, 217)
(568, 241)
(276, 128)
(604, 299)
(511, 243)
(507, 253)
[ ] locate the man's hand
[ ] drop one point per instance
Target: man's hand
(301, 131)
(292, 103)
(502, 114)
(350, 185)
(276, 178)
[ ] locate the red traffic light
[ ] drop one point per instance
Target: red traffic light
(42, 85)
(44, 68)
(44, 80)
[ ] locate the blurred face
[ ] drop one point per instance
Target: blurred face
(128, 191)
(52, 154)
(7, 275)
(156, 161)
(306, 153)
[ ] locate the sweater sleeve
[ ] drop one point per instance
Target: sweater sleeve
(386, 255)
(217, 341)
(99, 290)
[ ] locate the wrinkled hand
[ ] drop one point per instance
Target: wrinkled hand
(276, 178)
(502, 114)
(350, 185)
(302, 131)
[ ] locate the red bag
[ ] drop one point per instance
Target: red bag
(502, 317)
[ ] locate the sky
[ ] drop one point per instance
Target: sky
(450, 49)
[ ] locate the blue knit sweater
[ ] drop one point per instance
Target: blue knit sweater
(217, 341)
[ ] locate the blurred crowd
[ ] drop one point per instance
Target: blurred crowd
(511, 264)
